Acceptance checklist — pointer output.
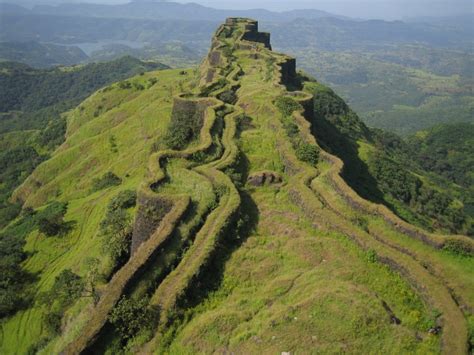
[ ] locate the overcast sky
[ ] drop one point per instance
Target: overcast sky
(386, 9)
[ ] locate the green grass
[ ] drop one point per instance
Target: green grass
(310, 290)
(136, 121)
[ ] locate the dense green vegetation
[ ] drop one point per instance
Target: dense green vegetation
(185, 126)
(40, 55)
(130, 316)
(33, 101)
(304, 151)
(400, 184)
(388, 174)
(27, 89)
(14, 280)
(116, 227)
(106, 180)
(447, 150)
(403, 89)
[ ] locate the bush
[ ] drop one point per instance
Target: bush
(107, 180)
(287, 105)
(125, 85)
(371, 256)
(116, 230)
(51, 220)
(52, 322)
(458, 247)
(67, 287)
(307, 153)
(186, 123)
(228, 96)
(291, 128)
(49, 227)
(116, 227)
(130, 316)
(123, 200)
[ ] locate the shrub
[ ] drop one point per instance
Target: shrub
(138, 86)
(362, 222)
(130, 316)
(51, 220)
(49, 227)
(52, 322)
(152, 81)
(67, 287)
(228, 96)
(123, 200)
(371, 256)
(106, 180)
(458, 247)
(124, 85)
(307, 153)
(291, 128)
(186, 123)
(116, 229)
(287, 105)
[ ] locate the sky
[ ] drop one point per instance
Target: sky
(383, 9)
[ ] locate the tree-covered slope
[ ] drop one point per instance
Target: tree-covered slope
(380, 167)
(40, 55)
(207, 210)
(32, 102)
(398, 88)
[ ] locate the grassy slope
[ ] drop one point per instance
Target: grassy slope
(136, 120)
(292, 288)
(305, 276)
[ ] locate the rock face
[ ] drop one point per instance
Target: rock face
(264, 178)
(288, 70)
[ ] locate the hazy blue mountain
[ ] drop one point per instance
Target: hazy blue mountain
(41, 55)
(172, 10)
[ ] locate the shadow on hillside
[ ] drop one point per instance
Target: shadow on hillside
(355, 171)
(213, 273)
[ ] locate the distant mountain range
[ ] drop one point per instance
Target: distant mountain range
(162, 10)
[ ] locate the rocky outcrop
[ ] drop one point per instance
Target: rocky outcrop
(264, 178)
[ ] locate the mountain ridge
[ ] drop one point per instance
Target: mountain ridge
(257, 243)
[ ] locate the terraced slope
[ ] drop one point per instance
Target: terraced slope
(246, 239)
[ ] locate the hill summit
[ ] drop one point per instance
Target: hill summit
(206, 210)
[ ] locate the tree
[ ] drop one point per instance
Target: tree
(67, 287)
(130, 316)
(116, 229)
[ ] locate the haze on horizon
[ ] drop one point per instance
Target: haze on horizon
(383, 9)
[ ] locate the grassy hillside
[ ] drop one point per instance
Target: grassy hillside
(201, 211)
(33, 101)
(132, 123)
